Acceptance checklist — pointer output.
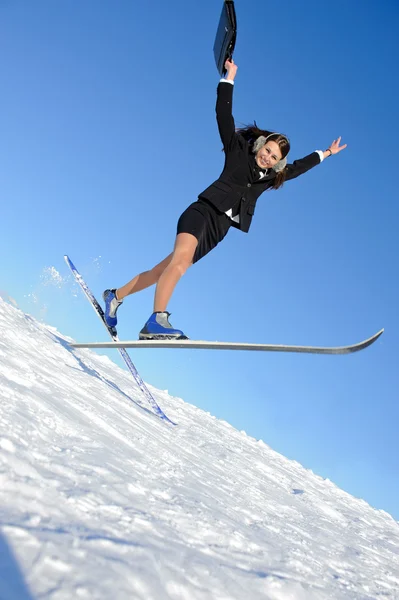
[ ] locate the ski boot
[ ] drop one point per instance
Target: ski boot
(159, 328)
(111, 306)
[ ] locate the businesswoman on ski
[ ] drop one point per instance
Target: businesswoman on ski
(255, 161)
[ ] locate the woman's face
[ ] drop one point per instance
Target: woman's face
(268, 155)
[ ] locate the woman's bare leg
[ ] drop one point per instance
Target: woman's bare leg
(181, 260)
(178, 261)
(143, 280)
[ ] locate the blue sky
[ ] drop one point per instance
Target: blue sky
(108, 133)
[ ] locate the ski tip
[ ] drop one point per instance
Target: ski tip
(369, 341)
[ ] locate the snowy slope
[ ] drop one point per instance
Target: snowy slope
(99, 499)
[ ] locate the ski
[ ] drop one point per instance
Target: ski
(205, 345)
(115, 340)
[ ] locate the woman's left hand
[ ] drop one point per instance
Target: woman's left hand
(335, 147)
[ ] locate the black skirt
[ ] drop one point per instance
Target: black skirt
(206, 223)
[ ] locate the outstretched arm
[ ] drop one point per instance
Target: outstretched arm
(298, 167)
(224, 105)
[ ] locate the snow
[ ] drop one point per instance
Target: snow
(101, 499)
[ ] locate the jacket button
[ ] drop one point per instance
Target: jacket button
(248, 185)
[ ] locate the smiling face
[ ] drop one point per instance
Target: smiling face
(268, 155)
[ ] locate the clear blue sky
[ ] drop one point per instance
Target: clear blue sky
(108, 132)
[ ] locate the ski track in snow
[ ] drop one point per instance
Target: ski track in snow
(100, 499)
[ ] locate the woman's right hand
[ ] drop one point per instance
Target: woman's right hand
(231, 69)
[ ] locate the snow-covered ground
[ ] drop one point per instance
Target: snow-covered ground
(100, 499)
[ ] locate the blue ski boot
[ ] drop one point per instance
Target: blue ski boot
(159, 328)
(111, 306)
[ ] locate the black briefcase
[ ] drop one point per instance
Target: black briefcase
(225, 36)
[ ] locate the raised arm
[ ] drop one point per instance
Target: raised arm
(224, 106)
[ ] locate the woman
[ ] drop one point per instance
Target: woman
(255, 161)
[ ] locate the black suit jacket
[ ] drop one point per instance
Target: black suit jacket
(239, 185)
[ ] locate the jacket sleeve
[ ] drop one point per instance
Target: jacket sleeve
(300, 166)
(224, 114)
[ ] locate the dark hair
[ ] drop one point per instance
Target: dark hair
(251, 133)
